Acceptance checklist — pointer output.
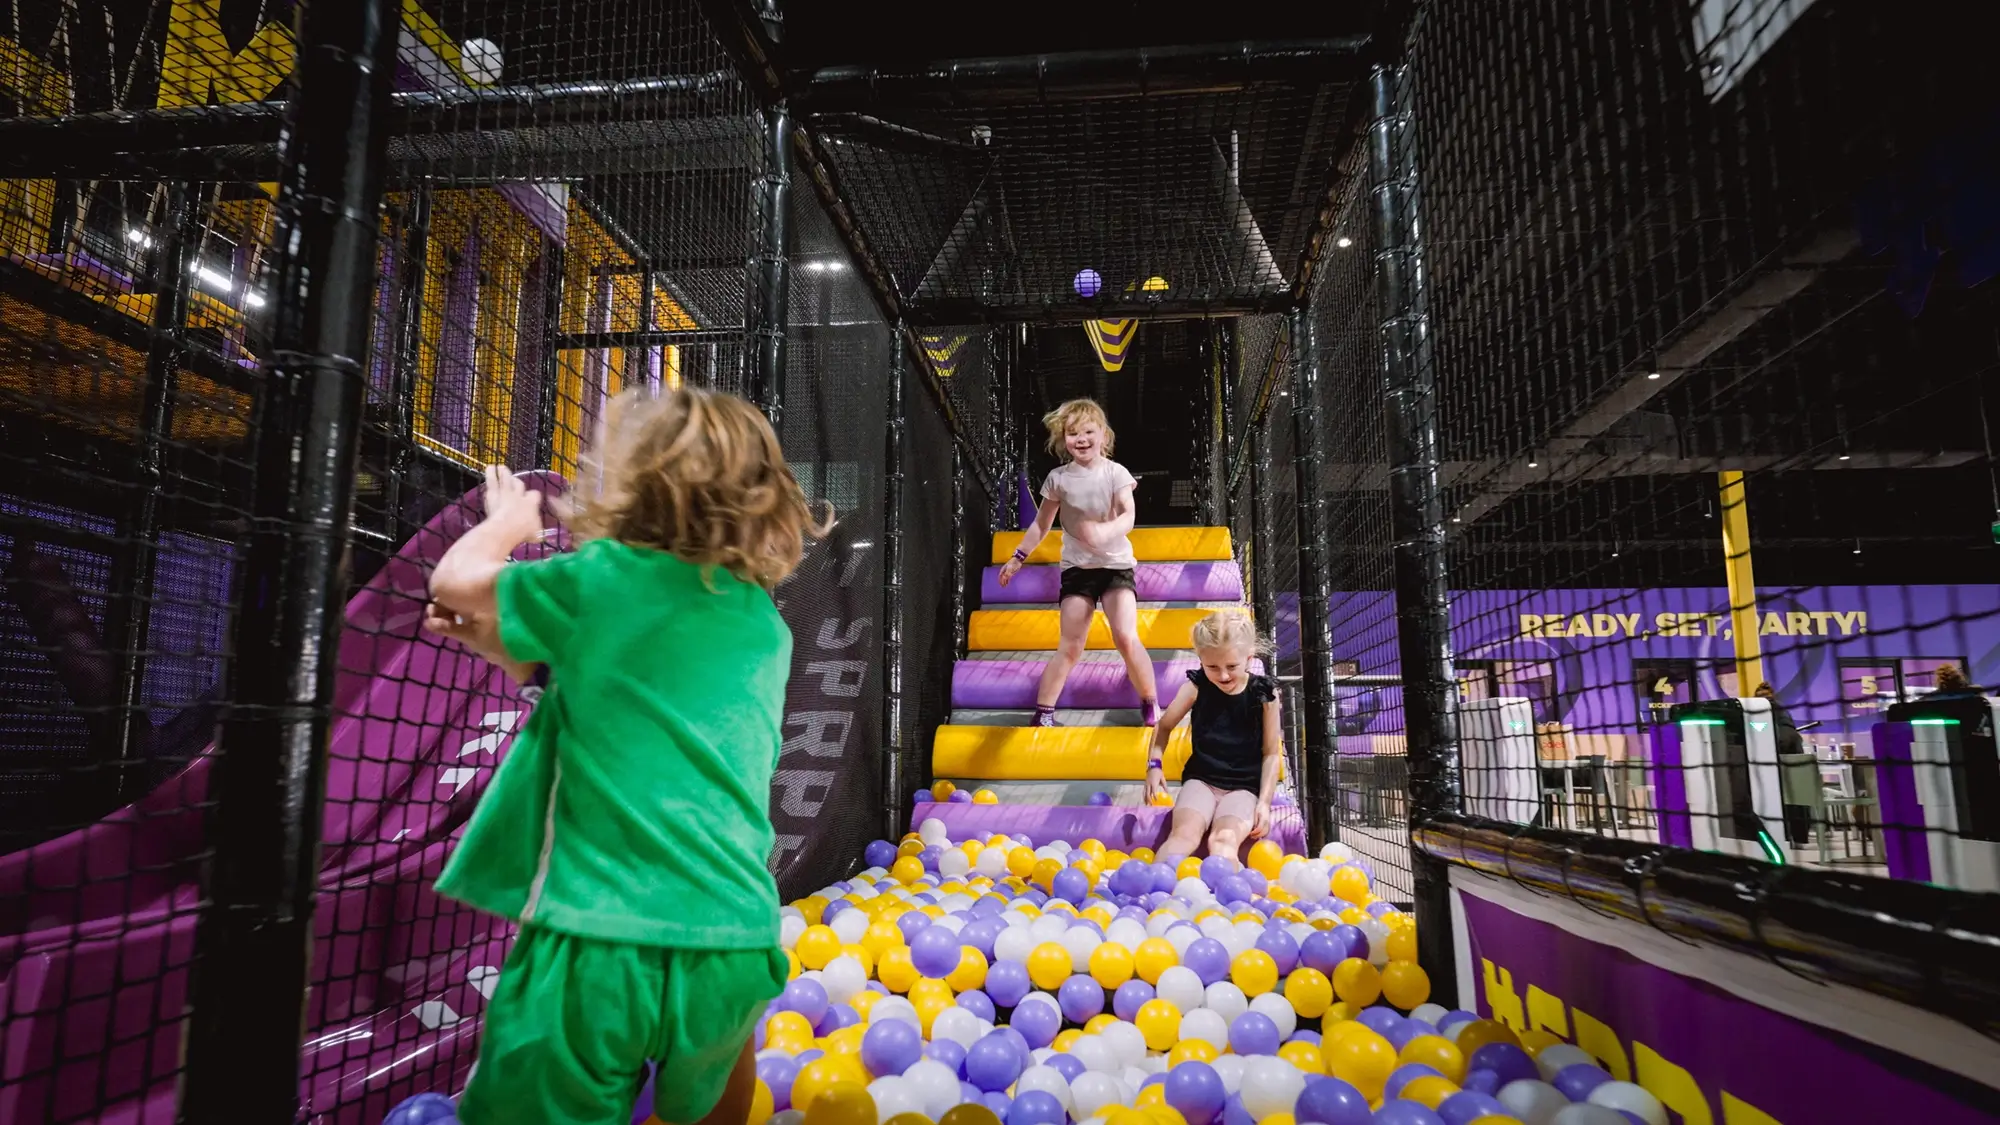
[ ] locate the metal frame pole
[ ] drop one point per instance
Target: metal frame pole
(253, 942)
(960, 570)
(409, 337)
(555, 277)
(1416, 511)
(1318, 748)
(1225, 442)
(895, 766)
(772, 267)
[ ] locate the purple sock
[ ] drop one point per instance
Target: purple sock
(1045, 716)
(1149, 712)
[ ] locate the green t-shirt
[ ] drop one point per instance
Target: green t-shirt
(635, 804)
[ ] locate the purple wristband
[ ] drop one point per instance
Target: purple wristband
(1020, 555)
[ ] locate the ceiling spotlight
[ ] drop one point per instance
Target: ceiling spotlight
(1847, 457)
(815, 267)
(1454, 519)
(1534, 464)
(1652, 374)
(1343, 242)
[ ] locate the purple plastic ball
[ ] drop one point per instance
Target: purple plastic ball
(891, 1046)
(1232, 889)
(1126, 1002)
(1087, 283)
(1378, 1019)
(1233, 1112)
(778, 1071)
(911, 922)
(1467, 1106)
(1253, 1033)
(1507, 1062)
(1019, 1043)
(1208, 958)
(929, 857)
(991, 1063)
(1482, 1082)
(1452, 1018)
(1351, 939)
(997, 1102)
(879, 853)
(1303, 1035)
(423, 1109)
(986, 907)
(1405, 1113)
(1332, 1102)
(1216, 868)
(806, 997)
(924, 797)
(1283, 948)
(948, 1052)
(959, 797)
(1068, 1065)
(1099, 799)
(1035, 896)
(978, 1003)
(1163, 877)
(1321, 950)
(1007, 982)
(1400, 1033)
(1196, 1090)
(1037, 1023)
(1577, 1080)
(1081, 998)
(1403, 1075)
(1071, 885)
(837, 1017)
(1036, 1107)
(935, 951)
(980, 934)
(1254, 879)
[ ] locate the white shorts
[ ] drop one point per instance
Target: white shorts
(1213, 804)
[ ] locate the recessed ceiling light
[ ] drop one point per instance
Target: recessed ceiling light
(1343, 242)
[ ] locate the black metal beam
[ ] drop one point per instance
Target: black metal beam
(404, 376)
(1082, 75)
(253, 939)
(1416, 508)
(770, 283)
(1319, 749)
(638, 338)
(1070, 310)
(555, 276)
(897, 769)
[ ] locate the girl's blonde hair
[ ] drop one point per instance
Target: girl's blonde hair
(1071, 414)
(1227, 628)
(701, 476)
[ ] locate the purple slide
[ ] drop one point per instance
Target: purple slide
(1157, 582)
(399, 975)
(1010, 684)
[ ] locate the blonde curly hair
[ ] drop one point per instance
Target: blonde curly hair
(1227, 628)
(1072, 414)
(701, 476)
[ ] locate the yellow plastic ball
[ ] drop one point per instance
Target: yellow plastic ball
(1092, 847)
(985, 797)
(761, 1103)
(1044, 873)
(822, 1079)
(861, 954)
(972, 848)
(813, 907)
(1144, 855)
(1113, 859)
(911, 1117)
(1405, 984)
(1305, 1056)
(1163, 800)
(1020, 862)
(1478, 1033)
(793, 968)
(1363, 1061)
(930, 988)
(1098, 914)
(1153, 957)
(1356, 982)
(1164, 1114)
(1340, 1012)
(1535, 1041)
(846, 1041)
(1254, 971)
(1288, 913)
(1278, 1119)
(971, 971)
(927, 1011)
(1354, 915)
(789, 1030)
(1428, 1090)
(1349, 883)
(1436, 1052)
(1266, 858)
(1089, 868)
(1189, 868)
(896, 971)
(907, 870)
(863, 1002)
(1066, 1038)
(1111, 965)
(1402, 944)
(1309, 992)
(1160, 1022)
(817, 947)
(1048, 965)
(1192, 1050)
(1150, 1096)
(1097, 1023)
(909, 848)
(942, 789)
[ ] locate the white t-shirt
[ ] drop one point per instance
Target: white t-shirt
(1086, 494)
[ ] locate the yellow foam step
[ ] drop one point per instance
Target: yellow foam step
(1007, 630)
(1149, 544)
(1051, 753)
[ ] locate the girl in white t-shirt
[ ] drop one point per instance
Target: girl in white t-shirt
(1093, 495)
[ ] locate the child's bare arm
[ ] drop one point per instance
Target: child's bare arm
(1273, 764)
(464, 603)
(1124, 512)
(1183, 702)
(1045, 518)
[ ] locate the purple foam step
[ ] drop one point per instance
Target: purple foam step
(1122, 827)
(1156, 582)
(1010, 684)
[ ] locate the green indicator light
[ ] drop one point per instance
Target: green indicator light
(1702, 722)
(1770, 847)
(1933, 722)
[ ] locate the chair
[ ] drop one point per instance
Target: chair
(1588, 779)
(1555, 783)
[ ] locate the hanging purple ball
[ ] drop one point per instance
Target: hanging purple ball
(1088, 282)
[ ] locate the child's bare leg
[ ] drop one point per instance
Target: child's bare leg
(1226, 836)
(1192, 811)
(1069, 650)
(1121, 612)
(734, 1107)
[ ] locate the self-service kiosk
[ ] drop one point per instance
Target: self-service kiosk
(1938, 778)
(1497, 763)
(1715, 777)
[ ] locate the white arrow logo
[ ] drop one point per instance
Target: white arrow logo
(457, 777)
(434, 1014)
(502, 722)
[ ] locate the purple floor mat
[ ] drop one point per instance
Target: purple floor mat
(1157, 582)
(1119, 827)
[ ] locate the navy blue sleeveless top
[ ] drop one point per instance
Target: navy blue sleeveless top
(1228, 730)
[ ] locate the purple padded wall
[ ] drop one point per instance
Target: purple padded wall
(1157, 582)
(1010, 684)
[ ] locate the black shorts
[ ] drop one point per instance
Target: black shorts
(1094, 582)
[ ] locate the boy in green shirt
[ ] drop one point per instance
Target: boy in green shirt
(628, 828)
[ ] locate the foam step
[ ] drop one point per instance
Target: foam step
(1051, 753)
(1123, 827)
(1149, 544)
(1040, 629)
(1009, 685)
(1108, 656)
(1154, 581)
(1067, 791)
(1101, 717)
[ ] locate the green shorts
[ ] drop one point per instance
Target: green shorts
(574, 1020)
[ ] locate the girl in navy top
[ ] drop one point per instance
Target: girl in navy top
(1232, 773)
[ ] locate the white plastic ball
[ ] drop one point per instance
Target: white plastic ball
(952, 922)
(1043, 1077)
(1039, 998)
(1014, 944)
(1336, 852)
(842, 978)
(936, 1085)
(1300, 931)
(953, 864)
(849, 925)
(1095, 1054)
(1584, 1113)
(1535, 1103)
(1206, 1025)
(1180, 937)
(1093, 1091)
(1632, 1098)
(789, 928)
(1154, 1064)
(1236, 944)
(1180, 986)
(1270, 1085)
(1192, 889)
(1048, 851)
(1429, 1013)
(1278, 1010)
(480, 60)
(1049, 927)
(1126, 1041)
(1230, 1069)
(933, 831)
(894, 1008)
(991, 863)
(1556, 1056)
(1131, 1078)
(1180, 910)
(875, 872)
(1125, 932)
(1081, 942)
(1226, 1000)
(1378, 940)
(1016, 920)
(958, 1025)
(894, 1094)
(1158, 924)
(1215, 927)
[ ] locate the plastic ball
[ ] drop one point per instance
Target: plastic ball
(1191, 1049)
(1362, 1058)
(1349, 883)
(1630, 1098)
(1181, 986)
(1206, 1026)
(1037, 1021)
(1405, 984)
(1428, 1090)
(1080, 998)
(1130, 997)
(1356, 982)
(1100, 798)
(1584, 1113)
(423, 1109)
(1253, 1033)
(1153, 285)
(969, 1113)
(1110, 964)
(923, 797)
(1195, 1091)
(1270, 1085)
(1036, 1107)
(895, 1096)
(1437, 1052)
(1533, 1102)
(817, 946)
(1578, 1080)
(1403, 1075)
(1468, 1106)
(1332, 1102)
(1266, 858)
(1309, 991)
(897, 971)
(1478, 1033)
(1254, 972)
(1048, 965)
(1507, 1062)
(1045, 1079)
(1406, 1113)
(992, 1063)
(1552, 1061)
(1091, 1092)
(836, 1080)
(1087, 283)
(1160, 1022)
(1153, 957)
(985, 797)
(942, 789)
(907, 870)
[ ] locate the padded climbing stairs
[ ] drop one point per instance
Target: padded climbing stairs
(1044, 777)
